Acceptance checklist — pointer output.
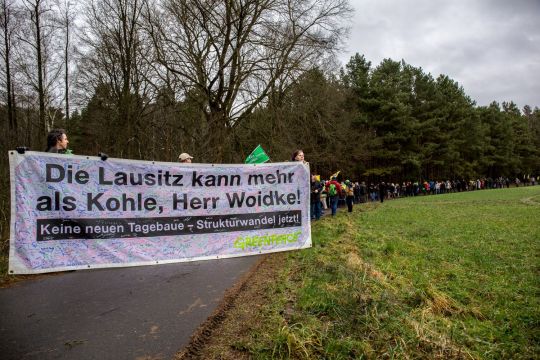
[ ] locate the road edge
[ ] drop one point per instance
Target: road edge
(205, 331)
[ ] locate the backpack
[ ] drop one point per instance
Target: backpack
(332, 190)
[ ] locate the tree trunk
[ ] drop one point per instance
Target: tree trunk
(9, 88)
(41, 90)
(218, 137)
(66, 69)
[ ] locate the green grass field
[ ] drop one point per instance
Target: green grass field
(447, 276)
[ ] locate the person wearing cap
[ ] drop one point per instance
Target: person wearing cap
(185, 158)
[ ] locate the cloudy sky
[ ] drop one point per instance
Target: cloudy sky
(490, 47)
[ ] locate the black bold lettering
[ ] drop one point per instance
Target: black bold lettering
(280, 198)
(102, 180)
(235, 199)
(256, 178)
(177, 179)
(44, 203)
(150, 179)
(120, 178)
(178, 201)
(196, 180)
(112, 204)
(69, 203)
(93, 201)
(49, 173)
(150, 204)
(81, 177)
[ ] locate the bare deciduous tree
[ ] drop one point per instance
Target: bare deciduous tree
(38, 40)
(116, 56)
(235, 53)
(7, 26)
(66, 21)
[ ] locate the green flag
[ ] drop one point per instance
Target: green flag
(257, 156)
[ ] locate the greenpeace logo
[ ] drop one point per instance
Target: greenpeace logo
(243, 242)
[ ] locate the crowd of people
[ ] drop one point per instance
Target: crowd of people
(331, 194)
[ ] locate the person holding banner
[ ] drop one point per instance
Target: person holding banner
(298, 155)
(185, 158)
(57, 141)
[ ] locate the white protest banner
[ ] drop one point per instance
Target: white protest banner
(77, 212)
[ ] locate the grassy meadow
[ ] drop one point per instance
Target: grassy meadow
(446, 276)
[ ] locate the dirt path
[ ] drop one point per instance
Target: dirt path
(213, 339)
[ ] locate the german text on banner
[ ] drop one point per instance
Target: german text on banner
(79, 212)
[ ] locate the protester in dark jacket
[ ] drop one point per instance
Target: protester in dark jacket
(382, 191)
(349, 195)
(316, 189)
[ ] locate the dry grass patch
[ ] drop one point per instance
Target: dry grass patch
(242, 316)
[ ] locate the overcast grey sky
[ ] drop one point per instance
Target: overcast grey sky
(490, 47)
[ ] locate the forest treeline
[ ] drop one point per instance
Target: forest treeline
(148, 80)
